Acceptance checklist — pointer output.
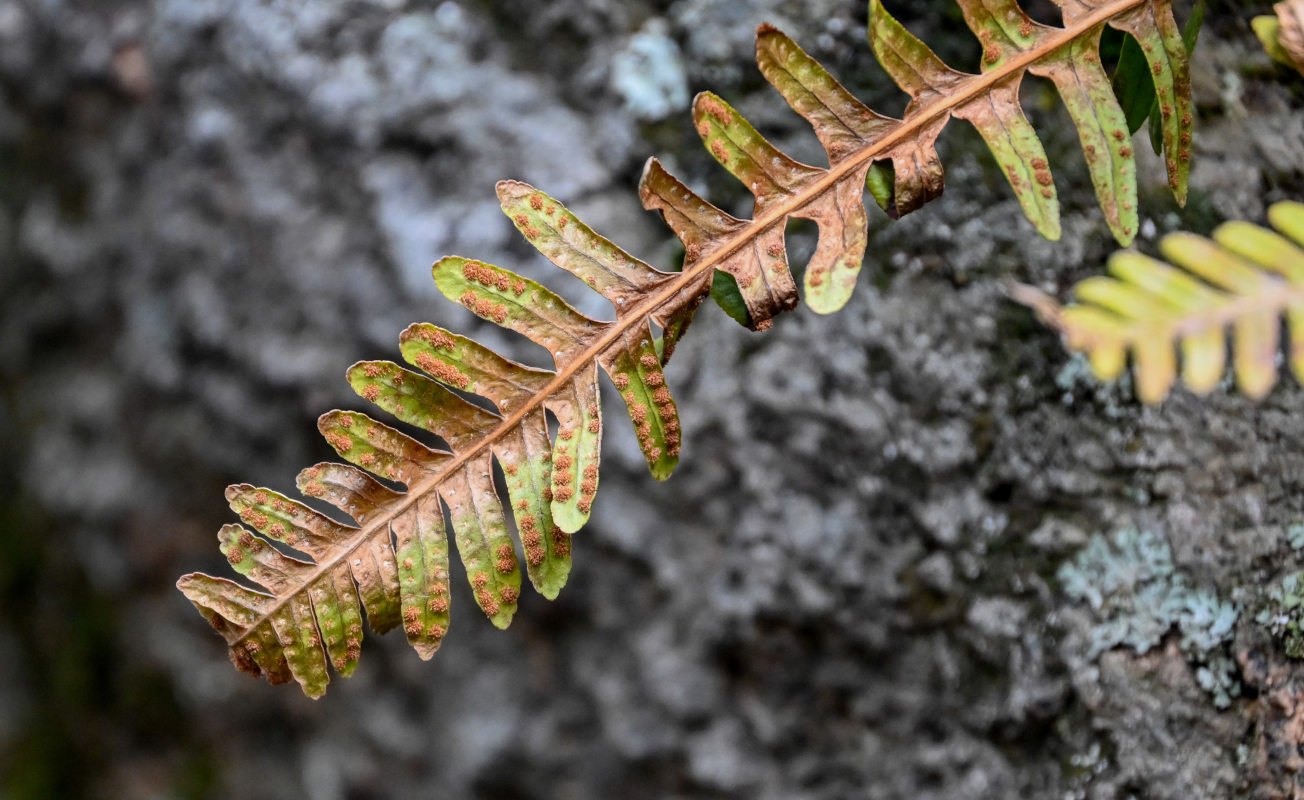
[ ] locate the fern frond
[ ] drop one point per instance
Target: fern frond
(1245, 279)
(1283, 35)
(392, 562)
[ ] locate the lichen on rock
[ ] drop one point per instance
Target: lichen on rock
(1138, 596)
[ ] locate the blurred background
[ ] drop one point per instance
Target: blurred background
(210, 208)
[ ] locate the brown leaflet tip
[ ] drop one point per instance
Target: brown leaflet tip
(536, 202)
(509, 594)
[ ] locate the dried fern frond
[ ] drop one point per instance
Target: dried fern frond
(393, 561)
(1283, 35)
(1245, 279)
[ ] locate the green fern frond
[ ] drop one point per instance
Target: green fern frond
(393, 561)
(1245, 279)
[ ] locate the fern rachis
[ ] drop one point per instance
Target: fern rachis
(314, 613)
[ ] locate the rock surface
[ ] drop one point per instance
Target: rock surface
(849, 589)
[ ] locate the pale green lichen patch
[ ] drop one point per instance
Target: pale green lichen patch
(1283, 612)
(1138, 597)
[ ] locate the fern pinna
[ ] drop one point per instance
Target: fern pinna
(394, 564)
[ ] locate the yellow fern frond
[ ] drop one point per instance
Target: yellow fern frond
(1244, 281)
